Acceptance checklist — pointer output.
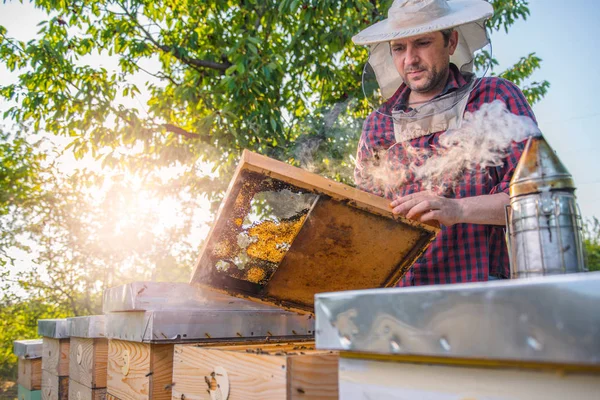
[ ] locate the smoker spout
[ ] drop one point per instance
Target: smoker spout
(544, 228)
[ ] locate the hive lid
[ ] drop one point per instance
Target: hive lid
(90, 326)
(54, 328)
(155, 296)
(539, 169)
(283, 234)
(214, 325)
(28, 348)
(550, 319)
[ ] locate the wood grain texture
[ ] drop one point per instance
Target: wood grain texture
(368, 379)
(54, 387)
(147, 374)
(134, 359)
(88, 361)
(30, 373)
(55, 356)
(161, 365)
(77, 391)
(313, 376)
(313, 182)
(267, 372)
(26, 394)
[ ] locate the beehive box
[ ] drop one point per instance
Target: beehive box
(29, 353)
(88, 355)
(283, 234)
(77, 391)
(139, 370)
(54, 387)
(258, 371)
(145, 320)
(25, 394)
(55, 358)
(30, 373)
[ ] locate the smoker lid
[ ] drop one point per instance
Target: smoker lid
(539, 169)
(283, 234)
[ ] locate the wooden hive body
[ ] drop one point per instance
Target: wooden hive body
(77, 391)
(30, 373)
(88, 361)
(54, 387)
(257, 371)
(55, 358)
(139, 370)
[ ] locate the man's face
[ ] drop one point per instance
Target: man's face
(423, 61)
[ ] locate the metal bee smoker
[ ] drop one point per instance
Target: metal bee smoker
(544, 227)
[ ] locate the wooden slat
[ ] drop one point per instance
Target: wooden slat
(313, 182)
(54, 387)
(161, 365)
(128, 368)
(313, 376)
(77, 391)
(100, 363)
(30, 373)
(88, 360)
(257, 371)
(149, 372)
(55, 356)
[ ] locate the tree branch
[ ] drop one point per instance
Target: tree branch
(180, 131)
(167, 49)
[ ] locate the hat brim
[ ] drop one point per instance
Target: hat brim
(461, 12)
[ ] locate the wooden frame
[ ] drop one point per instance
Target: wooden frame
(349, 240)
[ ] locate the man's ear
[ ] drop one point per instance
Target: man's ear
(453, 42)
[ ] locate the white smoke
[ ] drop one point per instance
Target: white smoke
(483, 141)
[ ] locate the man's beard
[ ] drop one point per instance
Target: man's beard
(432, 79)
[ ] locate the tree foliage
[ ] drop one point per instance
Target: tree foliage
(221, 76)
(182, 83)
(591, 241)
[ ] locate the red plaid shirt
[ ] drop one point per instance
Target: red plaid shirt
(462, 252)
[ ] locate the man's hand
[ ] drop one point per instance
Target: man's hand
(427, 206)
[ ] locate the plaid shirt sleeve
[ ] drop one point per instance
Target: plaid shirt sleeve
(515, 102)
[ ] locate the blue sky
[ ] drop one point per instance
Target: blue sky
(563, 33)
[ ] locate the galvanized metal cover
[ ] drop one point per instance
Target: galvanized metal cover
(155, 296)
(550, 319)
(91, 326)
(28, 349)
(207, 325)
(283, 234)
(53, 328)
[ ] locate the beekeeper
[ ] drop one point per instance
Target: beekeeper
(421, 60)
